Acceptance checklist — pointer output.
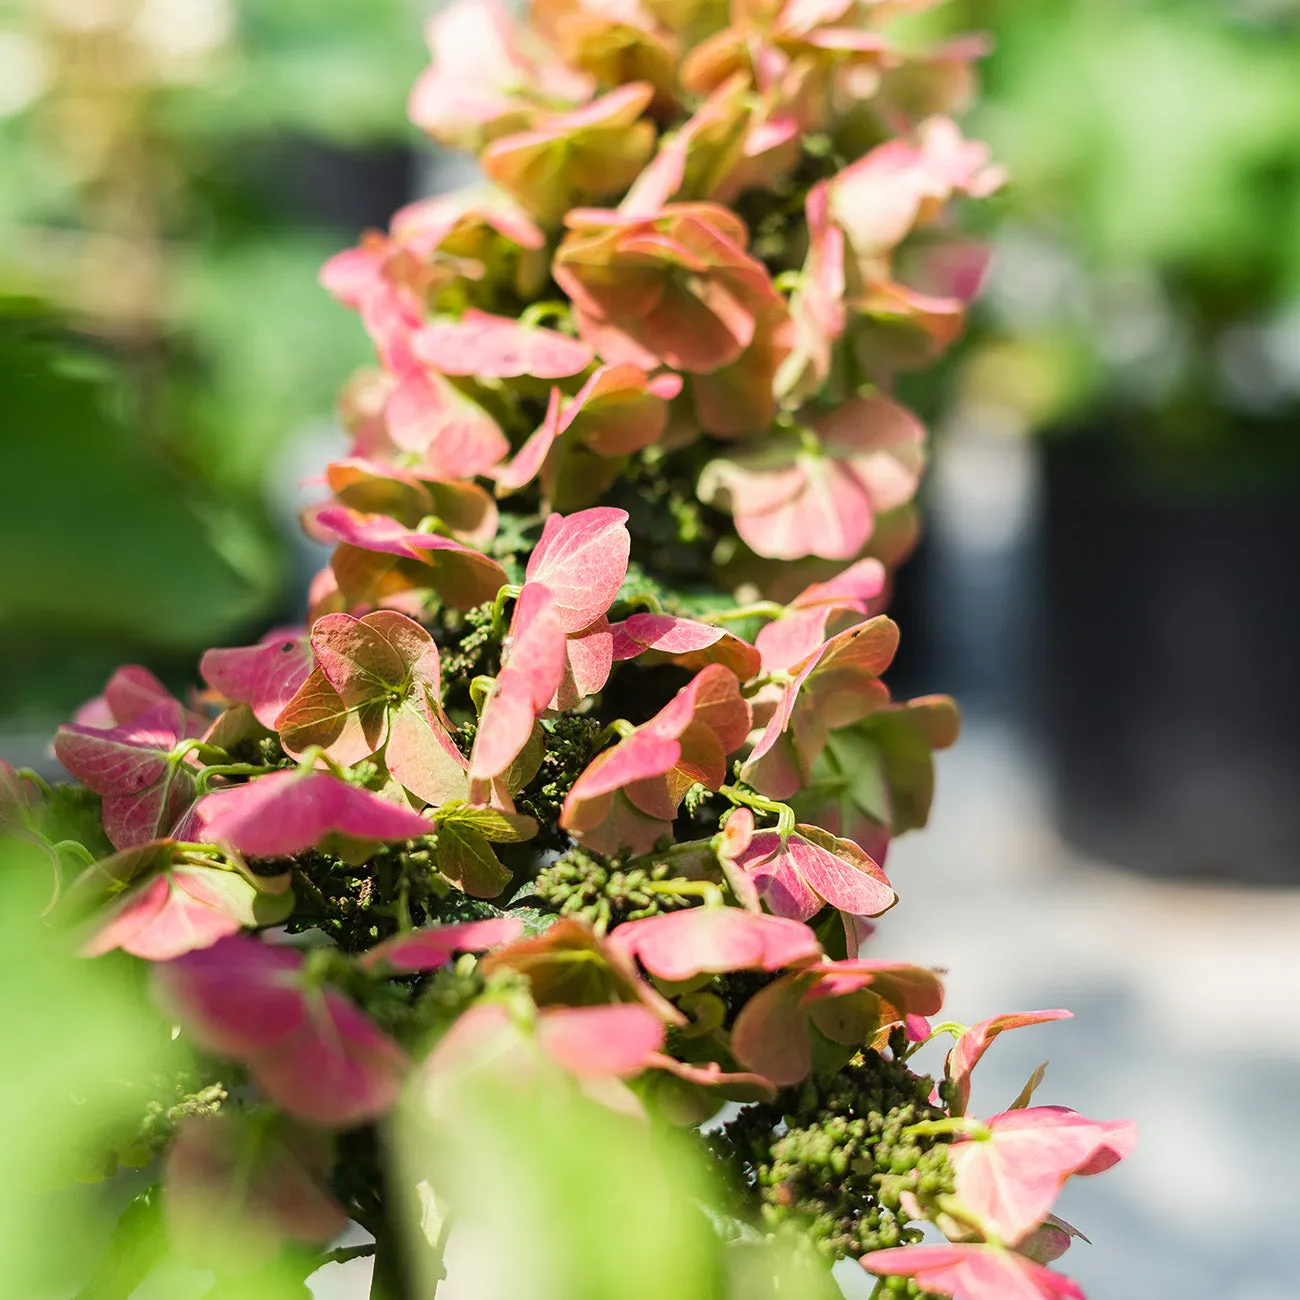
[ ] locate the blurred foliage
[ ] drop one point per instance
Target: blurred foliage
(1148, 269)
(75, 1037)
(175, 171)
(588, 1204)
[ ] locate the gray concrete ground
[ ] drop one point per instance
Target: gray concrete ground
(1186, 1018)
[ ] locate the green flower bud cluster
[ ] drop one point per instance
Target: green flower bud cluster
(467, 649)
(601, 891)
(572, 741)
(902, 1286)
(160, 1119)
(840, 1168)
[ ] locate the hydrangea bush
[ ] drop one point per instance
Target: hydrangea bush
(583, 763)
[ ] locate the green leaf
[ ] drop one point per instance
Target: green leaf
(490, 823)
(136, 1245)
(465, 857)
(318, 715)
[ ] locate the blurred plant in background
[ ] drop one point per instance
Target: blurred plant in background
(174, 170)
(1149, 251)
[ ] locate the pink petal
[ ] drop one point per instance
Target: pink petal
(176, 912)
(638, 757)
(144, 793)
(972, 1273)
(462, 576)
(908, 989)
(237, 998)
(619, 411)
(1119, 1138)
(813, 868)
(830, 517)
(310, 1049)
(339, 1070)
(222, 1175)
(770, 1035)
(601, 1040)
(789, 640)
(131, 692)
(123, 760)
(840, 872)
(690, 644)
(456, 437)
(1012, 1178)
(677, 946)
(367, 657)
(882, 442)
(318, 715)
(589, 657)
(534, 667)
(265, 676)
(714, 698)
(497, 347)
(613, 824)
(853, 587)
(436, 945)
(352, 276)
(528, 460)
(421, 756)
(284, 813)
(582, 560)
(965, 1053)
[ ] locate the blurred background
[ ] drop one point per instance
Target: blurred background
(1107, 582)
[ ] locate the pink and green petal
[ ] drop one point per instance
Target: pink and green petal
(582, 560)
(284, 813)
(436, 945)
(965, 1053)
(972, 1273)
(677, 946)
(497, 347)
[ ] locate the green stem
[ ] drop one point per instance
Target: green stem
(404, 922)
(645, 600)
(341, 1254)
(704, 889)
(784, 814)
(954, 1209)
(759, 609)
(546, 310)
(619, 729)
(77, 849)
(314, 754)
(506, 593)
(479, 690)
(209, 753)
(27, 774)
(205, 777)
(681, 850)
(953, 1027)
(952, 1124)
(303, 879)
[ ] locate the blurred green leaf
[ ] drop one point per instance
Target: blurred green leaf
(102, 536)
(76, 1034)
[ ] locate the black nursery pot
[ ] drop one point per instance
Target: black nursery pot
(1171, 678)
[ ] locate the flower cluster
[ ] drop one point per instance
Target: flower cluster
(529, 778)
(719, 339)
